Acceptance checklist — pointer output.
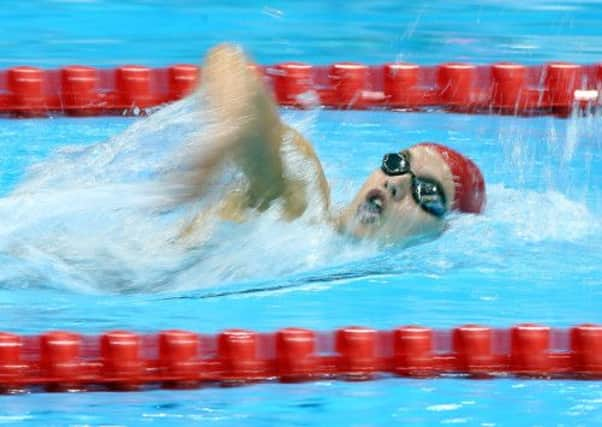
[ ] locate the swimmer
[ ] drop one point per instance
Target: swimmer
(407, 195)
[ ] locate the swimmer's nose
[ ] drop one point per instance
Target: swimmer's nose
(397, 187)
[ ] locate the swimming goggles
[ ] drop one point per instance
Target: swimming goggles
(427, 193)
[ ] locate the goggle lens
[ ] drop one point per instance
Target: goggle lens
(395, 164)
(427, 193)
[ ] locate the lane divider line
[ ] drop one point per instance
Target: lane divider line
(502, 88)
(124, 360)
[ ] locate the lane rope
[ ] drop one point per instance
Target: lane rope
(124, 360)
(505, 88)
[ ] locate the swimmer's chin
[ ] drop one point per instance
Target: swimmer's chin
(377, 232)
(392, 240)
(359, 230)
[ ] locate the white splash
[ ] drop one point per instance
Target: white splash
(535, 217)
(101, 218)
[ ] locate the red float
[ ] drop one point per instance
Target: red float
(237, 355)
(295, 354)
(291, 80)
(356, 347)
(586, 347)
(122, 363)
(134, 87)
(508, 87)
(79, 87)
(455, 82)
(561, 81)
(530, 349)
(348, 81)
(60, 359)
(179, 357)
(183, 79)
(401, 85)
(12, 367)
(26, 91)
(473, 346)
(413, 351)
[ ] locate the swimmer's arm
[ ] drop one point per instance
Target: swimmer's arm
(248, 129)
(243, 126)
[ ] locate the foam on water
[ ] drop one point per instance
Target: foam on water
(102, 219)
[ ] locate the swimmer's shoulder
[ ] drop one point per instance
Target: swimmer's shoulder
(306, 149)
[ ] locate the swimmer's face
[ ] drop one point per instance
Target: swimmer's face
(385, 208)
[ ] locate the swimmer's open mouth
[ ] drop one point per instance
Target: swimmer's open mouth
(371, 210)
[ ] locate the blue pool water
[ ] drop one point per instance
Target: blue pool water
(80, 251)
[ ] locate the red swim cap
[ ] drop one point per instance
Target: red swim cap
(470, 185)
